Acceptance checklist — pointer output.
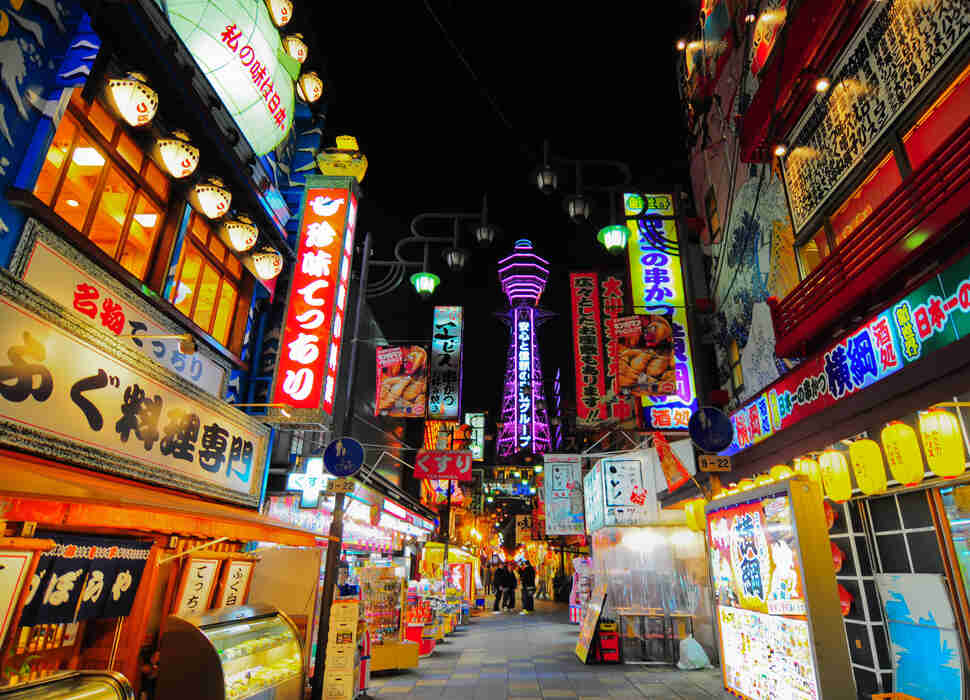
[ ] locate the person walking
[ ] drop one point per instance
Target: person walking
(527, 576)
(488, 578)
(499, 583)
(511, 584)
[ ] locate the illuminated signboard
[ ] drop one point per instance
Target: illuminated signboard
(444, 392)
(306, 375)
(238, 50)
(476, 421)
(564, 494)
(931, 317)
(657, 285)
(524, 405)
(587, 345)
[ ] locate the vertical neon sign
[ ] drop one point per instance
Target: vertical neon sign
(525, 415)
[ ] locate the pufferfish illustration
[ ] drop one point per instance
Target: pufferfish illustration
(324, 206)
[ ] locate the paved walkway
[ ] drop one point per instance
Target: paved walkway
(504, 657)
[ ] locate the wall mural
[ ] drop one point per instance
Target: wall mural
(46, 47)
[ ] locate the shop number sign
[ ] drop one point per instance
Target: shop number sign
(451, 465)
(714, 463)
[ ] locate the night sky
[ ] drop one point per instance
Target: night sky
(598, 82)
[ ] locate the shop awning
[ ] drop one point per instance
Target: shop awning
(62, 497)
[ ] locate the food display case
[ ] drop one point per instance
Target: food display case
(251, 651)
(73, 685)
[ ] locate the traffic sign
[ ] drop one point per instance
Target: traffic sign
(710, 429)
(713, 463)
(343, 457)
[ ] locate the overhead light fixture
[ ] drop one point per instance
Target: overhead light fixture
(484, 235)
(750, 18)
(781, 149)
(309, 86)
(178, 155)
(578, 207)
(822, 84)
(146, 220)
(132, 99)
(211, 198)
(425, 283)
(681, 44)
(268, 263)
(87, 157)
(242, 232)
(547, 179)
(455, 258)
(295, 47)
(72, 203)
(281, 11)
(613, 238)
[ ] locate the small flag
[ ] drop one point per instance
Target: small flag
(673, 470)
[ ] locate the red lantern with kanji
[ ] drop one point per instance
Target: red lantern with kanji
(838, 557)
(829, 514)
(845, 600)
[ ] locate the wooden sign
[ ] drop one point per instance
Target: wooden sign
(198, 582)
(713, 463)
(590, 621)
(234, 586)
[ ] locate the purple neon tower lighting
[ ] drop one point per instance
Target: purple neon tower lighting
(525, 422)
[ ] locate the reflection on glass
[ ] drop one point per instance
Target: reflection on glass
(109, 219)
(227, 302)
(54, 162)
(130, 151)
(184, 291)
(255, 655)
(102, 121)
(157, 180)
(813, 252)
(82, 178)
(145, 225)
(206, 297)
(956, 505)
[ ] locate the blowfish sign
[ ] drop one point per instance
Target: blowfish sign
(444, 394)
(310, 342)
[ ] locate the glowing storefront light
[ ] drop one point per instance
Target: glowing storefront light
(211, 198)
(177, 154)
(132, 99)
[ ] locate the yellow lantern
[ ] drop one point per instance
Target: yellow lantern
(867, 464)
(809, 467)
(903, 453)
(835, 475)
(780, 471)
(132, 99)
(746, 484)
(943, 443)
(295, 47)
(763, 479)
(700, 517)
(179, 157)
(690, 515)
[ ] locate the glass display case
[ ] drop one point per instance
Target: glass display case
(235, 653)
(73, 685)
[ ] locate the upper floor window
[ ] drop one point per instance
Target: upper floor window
(813, 252)
(97, 178)
(943, 118)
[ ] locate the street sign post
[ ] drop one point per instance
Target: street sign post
(343, 457)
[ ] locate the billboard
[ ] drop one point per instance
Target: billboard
(444, 392)
(476, 421)
(563, 487)
(587, 346)
(310, 340)
(402, 380)
(645, 350)
(523, 529)
(657, 288)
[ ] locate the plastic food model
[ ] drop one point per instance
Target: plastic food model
(646, 357)
(405, 382)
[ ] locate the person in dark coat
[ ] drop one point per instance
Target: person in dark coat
(527, 575)
(512, 584)
(500, 583)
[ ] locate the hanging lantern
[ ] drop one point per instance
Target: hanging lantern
(700, 516)
(280, 10)
(835, 475)
(746, 484)
(903, 453)
(132, 99)
(689, 509)
(870, 473)
(455, 258)
(547, 179)
(295, 47)
(309, 87)
(425, 283)
(578, 208)
(829, 514)
(613, 238)
(838, 556)
(211, 198)
(845, 600)
(242, 233)
(809, 467)
(942, 443)
(268, 263)
(484, 235)
(177, 154)
(780, 471)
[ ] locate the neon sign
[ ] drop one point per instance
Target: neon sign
(524, 415)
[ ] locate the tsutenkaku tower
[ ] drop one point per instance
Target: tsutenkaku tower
(525, 423)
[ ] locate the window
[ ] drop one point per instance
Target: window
(876, 189)
(812, 252)
(96, 177)
(737, 374)
(940, 121)
(206, 286)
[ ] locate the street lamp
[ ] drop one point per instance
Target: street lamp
(425, 283)
(578, 207)
(455, 259)
(546, 177)
(613, 238)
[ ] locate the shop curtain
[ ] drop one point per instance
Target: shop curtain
(84, 578)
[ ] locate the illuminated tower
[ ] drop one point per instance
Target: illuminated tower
(525, 423)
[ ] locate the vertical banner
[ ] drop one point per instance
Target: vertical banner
(563, 488)
(523, 529)
(657, 286)
(587, 344)
(613, 294)
(476, 421)
(306, 373)
(444, 393)
(402, 381)
(526, 395)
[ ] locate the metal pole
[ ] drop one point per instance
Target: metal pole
(444, 561)
(361, 295)
(329, 579)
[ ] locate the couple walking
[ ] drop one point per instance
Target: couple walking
(505, 582)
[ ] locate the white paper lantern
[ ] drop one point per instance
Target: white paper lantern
(211, 197)
(132, 99)
(242, 233)
(179, 157)
(268, 263)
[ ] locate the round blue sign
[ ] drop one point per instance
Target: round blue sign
(710, 429)
(343, 457)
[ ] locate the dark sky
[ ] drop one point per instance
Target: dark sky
(597, 80)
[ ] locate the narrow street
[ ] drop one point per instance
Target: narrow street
(508, 656)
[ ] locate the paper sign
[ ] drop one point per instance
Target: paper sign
(13, 572)
(197, 583)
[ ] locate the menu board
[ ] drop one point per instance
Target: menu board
(767, 657)
(754, 559)
(591, 619)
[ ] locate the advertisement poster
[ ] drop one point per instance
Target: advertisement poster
(523, 529)
(402, 381)
(563, 487)
(476, 421)
(444, 392)
(646, 362)
(591, 619)
(587, 347)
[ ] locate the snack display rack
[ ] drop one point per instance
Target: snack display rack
(582, 588)
(233, 653)
(383, 593)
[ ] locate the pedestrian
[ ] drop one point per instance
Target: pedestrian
(511, 584)
(487, 576)
(527, 575)
(499, 582)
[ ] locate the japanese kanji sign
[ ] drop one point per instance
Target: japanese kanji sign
(310, 341)
(444, 392)
(587, 344)
(452, 465)
(47, 262)
(613, 300)
(197, 585)
(13, 573)
(563, 485)
(931, 317)
(234, 586)
(657, 285)
(523, 529)
(620, 491)
(68, 390)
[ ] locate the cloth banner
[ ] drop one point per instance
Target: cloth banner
(670, 464)
(85, 578)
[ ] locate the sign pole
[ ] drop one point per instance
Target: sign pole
(444, 561)
(335, 540)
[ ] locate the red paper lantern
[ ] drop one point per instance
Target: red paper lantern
(845, 600)
(838, 557)
(829, 514)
